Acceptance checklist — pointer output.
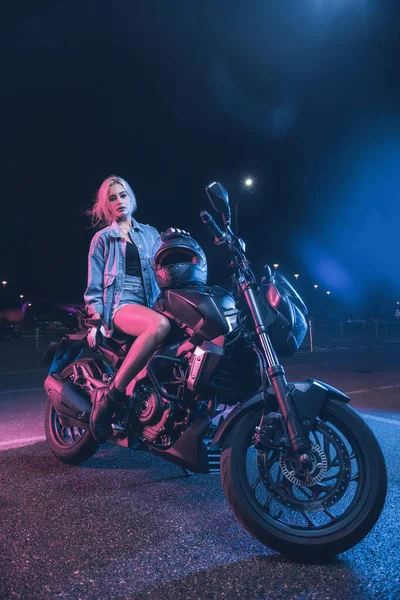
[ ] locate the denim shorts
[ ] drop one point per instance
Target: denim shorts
(132, 293)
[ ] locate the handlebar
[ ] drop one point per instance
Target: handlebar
(239, 259)
(208, 220)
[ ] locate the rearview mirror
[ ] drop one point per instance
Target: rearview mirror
(219, 199)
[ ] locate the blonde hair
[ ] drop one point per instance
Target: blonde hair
(100, 213)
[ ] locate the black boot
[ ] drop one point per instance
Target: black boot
(105, 402)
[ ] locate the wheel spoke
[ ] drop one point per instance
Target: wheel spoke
(330, 515)
(305, 491)
(268, 501)
(326, 449)
(330, 477)
(280, 478)
(65, 435)
(310, 524)
(355, 477)
(317, 489)
(255, 484)
(272, 459)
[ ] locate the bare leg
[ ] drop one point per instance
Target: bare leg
(150, 329)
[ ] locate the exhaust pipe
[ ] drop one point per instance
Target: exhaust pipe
(72, 406)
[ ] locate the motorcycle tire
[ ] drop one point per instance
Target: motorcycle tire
(275, 513)
(71, 445)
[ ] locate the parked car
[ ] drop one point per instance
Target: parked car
(9, 331)
(56, 327)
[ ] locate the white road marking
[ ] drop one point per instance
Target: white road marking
(8, 444)
(25, 371)
(381, 387)
(309, 365)
(41, 389)
(382, 419)
(21, 442)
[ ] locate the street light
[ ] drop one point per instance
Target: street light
(21, 296)
(4, 284)
(315, 286)
(328, 292)
(248, 182)
(276, 266)
(29, 304)
(296, 275)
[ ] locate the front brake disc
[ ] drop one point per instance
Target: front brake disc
(315, 488)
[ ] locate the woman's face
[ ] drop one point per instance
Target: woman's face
(119, 202)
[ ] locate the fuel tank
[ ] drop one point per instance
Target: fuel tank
(204, 313)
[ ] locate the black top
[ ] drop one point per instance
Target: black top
(132, 263)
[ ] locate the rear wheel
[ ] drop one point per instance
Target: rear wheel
(314, 514)
(71, 445)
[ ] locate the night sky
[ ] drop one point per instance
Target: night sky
(303, 96)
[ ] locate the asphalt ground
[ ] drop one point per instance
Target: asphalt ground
(129, 525)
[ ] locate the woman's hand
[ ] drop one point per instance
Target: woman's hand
(94, 330)
(93, 337)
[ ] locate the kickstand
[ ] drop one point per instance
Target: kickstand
(186, 472)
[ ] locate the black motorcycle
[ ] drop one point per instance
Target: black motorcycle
(300, 469)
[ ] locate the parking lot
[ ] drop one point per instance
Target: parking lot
(128, 525)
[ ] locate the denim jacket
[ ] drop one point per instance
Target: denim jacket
(106, 269)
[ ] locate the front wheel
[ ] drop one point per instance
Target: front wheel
(313, 515)
(71, 445)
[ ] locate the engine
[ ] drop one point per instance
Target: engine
(160, 421)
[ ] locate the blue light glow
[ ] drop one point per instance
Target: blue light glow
(355, 247)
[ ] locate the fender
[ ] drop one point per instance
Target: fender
(309, 396)
(59, 354)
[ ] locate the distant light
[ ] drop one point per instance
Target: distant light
(4, 283)
(328, 293)
(316, 287)
(397, 302)
(248, 182)
(296, 275)
(276, 266)
(21, 296)
(29, 304)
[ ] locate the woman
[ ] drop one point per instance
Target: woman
(120, 289)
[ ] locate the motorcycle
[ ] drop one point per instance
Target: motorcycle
(300, 469)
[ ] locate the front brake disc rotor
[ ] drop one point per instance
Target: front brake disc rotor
(314, 488)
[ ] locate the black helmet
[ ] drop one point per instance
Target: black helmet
(179, 260)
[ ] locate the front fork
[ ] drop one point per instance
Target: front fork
(277, 377)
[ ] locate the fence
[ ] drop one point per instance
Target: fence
(362, 332)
